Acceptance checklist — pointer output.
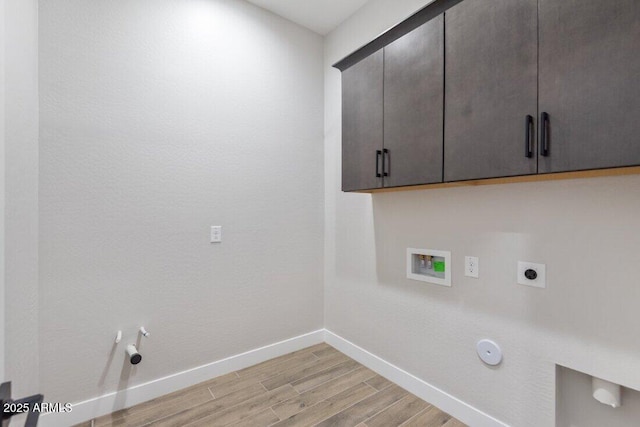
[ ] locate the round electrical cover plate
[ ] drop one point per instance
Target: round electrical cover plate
(489, 352)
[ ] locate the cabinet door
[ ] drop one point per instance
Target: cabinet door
(590, 83)
(413, 106)
(491, 87)
(362, 134)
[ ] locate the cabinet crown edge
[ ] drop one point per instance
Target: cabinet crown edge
(427, 13)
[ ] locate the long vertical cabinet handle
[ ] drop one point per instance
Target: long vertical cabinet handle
(528, 147)
(378, 156)
(544, 134)
(386, 162)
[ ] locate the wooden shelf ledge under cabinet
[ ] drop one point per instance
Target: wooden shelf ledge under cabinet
(634, 170)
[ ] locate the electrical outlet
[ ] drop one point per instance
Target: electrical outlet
(532, 274)
(471, 266)
(216, 233)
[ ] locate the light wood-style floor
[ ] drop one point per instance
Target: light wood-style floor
(317, 386)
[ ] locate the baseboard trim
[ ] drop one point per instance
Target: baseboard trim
(457, 408)
(121, 399)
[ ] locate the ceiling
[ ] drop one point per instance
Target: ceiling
(320, 16)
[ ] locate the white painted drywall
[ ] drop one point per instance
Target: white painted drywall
(2, 187)
(21, 194)
(320, 16)
(584, 230)
(160, 118)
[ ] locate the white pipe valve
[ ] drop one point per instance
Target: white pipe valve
(134, 356)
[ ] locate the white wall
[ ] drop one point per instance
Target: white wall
(584, 230)
(160, 118)
(2, 187)
(21, 194)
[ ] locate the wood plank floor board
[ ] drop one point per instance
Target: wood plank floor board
(324, 352)
(327, 408)
(453, 423)
(398, 413)
(431, 417)
(156, 409)
(222, 379)
(231, 400)
(249, 377)
(265, 369)
(379, 382)
(331, 388)
(245, 409)
(222, 390)
(262, 419)
(366, 408)
(316, 386)
(312, 381)
(311, 368)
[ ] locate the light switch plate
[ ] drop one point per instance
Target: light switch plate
(216, 233)
(540, 280)
(472, 266)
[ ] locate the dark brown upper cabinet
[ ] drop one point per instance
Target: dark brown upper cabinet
(589, 84)
(491, 89)
(362, 132)
(468, 90)
(392, 116)
(413, 115)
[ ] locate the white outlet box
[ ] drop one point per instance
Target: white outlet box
(216, 234)
(472, 266)
(537, 280)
